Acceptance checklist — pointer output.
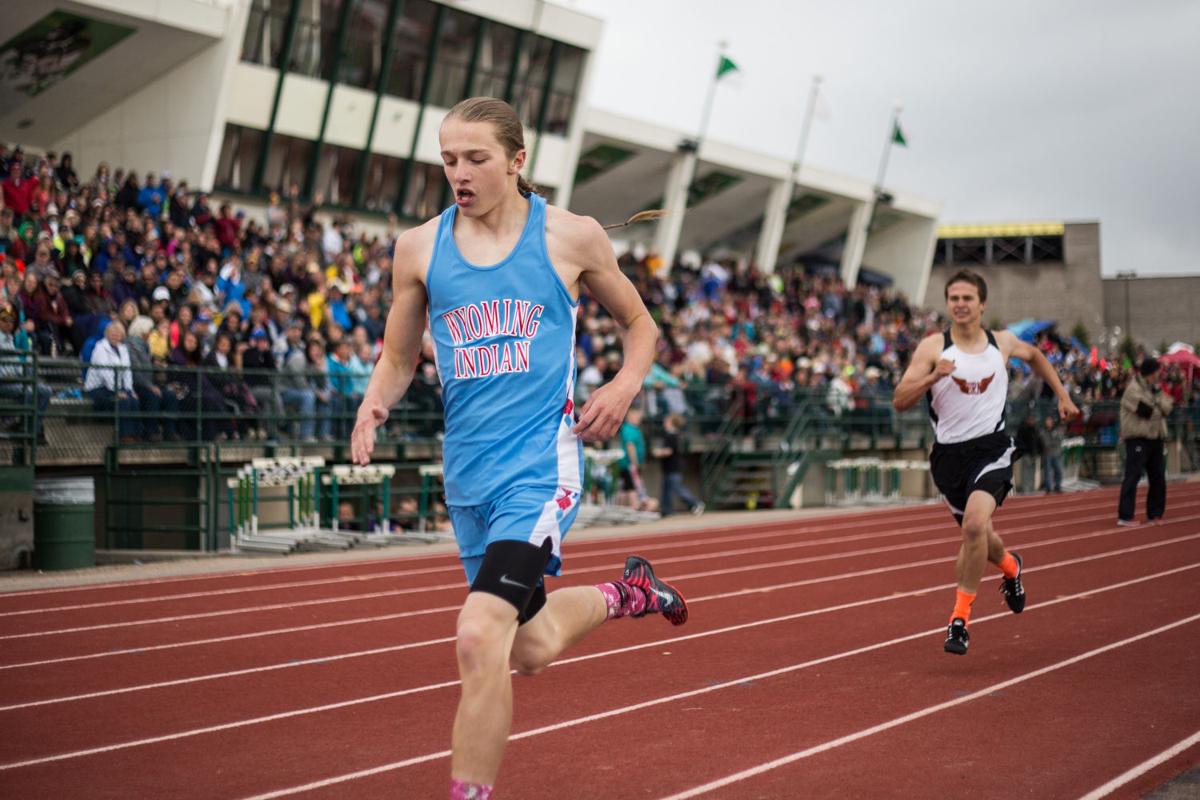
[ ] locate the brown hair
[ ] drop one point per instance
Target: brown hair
(505, 123)
(966, 276)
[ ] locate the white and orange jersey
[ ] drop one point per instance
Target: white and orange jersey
(969, 403)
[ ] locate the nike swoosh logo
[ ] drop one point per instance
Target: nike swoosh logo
(509, 582)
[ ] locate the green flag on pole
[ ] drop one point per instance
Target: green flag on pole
(898, 135)
(725, 65)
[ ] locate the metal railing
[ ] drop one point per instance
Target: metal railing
(279, 408)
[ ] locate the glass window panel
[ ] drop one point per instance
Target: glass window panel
(287, 163)
(239, 156)
(363, 59)
(453, 58)
(337, 171)
(265, 28)
(495, 60)
(383, 182)
(564, 88)
(531, 78)
(410, 48)
(424, 191)
(316, 37)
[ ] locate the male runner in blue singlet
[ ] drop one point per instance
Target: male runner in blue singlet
(964, 373)
(497, 275)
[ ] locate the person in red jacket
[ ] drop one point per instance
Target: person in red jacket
(228, 229)
(18, 190)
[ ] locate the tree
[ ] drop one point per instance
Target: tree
(1080, 332)
(1129, 349)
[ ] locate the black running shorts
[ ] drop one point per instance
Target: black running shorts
(976, 465)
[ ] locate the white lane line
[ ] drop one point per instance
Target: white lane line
(760, 531)
(662, 642)
(456, 568)
(128, 651)
(693, 600)
(750, 528)
(925, 712)
(229, 611)
(706, 574)
(611, 713)
(697, 538)
(1143, 768)
(737, 682)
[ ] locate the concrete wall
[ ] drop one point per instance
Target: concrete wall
(1160, 309)
(1069, 292)
(175, 122)
(904, 251)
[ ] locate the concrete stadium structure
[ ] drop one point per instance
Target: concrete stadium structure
(343, 99)
(1052, 270)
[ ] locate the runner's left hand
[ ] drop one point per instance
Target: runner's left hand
(603, 413)
(1067, 409)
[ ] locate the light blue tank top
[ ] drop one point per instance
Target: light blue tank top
(504, 338)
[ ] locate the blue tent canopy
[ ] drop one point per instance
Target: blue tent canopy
(1027, 329)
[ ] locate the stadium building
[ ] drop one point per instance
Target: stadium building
(342, 99)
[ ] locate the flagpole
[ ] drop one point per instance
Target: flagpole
(887, 148)
(683, 172)
(706, 114)
(805, 127)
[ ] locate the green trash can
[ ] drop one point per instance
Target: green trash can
(64, 535)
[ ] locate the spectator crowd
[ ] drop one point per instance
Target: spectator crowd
(140, 278)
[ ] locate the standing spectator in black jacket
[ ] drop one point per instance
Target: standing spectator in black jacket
(671, 453)
(258, 364)
(1030, 448)
(1144, 411)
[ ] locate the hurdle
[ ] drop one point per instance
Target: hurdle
(355, 475)
(1072, 457)
(299, 476)
(867, 480)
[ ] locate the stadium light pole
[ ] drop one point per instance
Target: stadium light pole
(1125, 277)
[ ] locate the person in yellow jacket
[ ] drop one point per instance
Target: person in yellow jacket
(1144, 411)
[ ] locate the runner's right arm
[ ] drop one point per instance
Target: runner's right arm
(401, 341)
(923, 372)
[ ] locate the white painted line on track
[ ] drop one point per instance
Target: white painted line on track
(796, 525)
(642, 548)
(233, 637)
(1142, 768)
(570, 723)
(738, 682)
(687, 637)
(698, 538)
(706, 574)
(693, 601)
(925, 712)
(317, 660)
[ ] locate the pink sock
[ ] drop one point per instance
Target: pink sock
(462, 790)
(622, 599)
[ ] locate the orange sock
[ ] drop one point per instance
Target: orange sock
(962, 605)
(1008, 565)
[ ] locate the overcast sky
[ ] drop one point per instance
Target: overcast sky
(1025, 110)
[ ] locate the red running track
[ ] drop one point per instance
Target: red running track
(811, 667)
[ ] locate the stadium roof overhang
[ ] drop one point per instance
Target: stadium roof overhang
(623, 168)
(66, 63)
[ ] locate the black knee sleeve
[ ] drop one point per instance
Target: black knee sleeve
(513, 572)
